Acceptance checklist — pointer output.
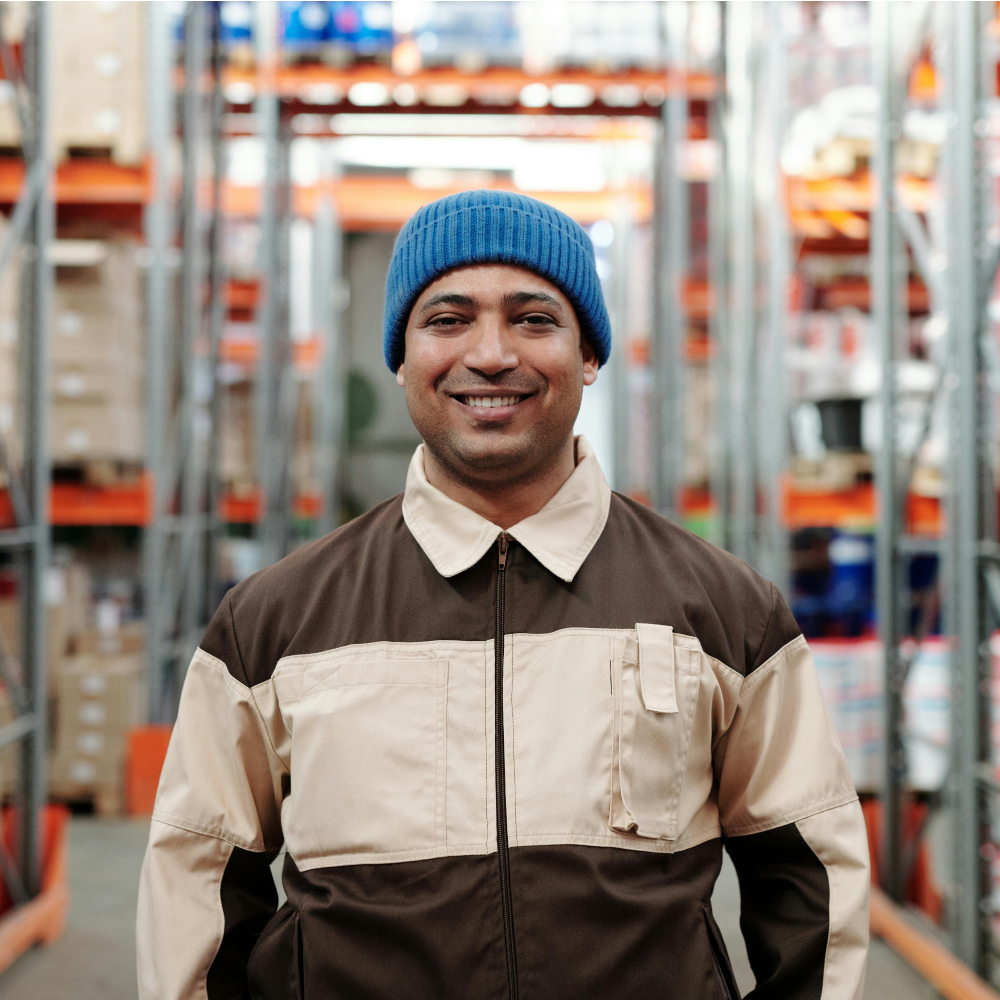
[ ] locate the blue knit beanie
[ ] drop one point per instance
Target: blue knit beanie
(481, 227)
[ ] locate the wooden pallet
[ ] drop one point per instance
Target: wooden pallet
(99, 472)
(103, 801)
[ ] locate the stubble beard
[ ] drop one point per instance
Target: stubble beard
(492, 457)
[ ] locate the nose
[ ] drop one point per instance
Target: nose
(490, 346)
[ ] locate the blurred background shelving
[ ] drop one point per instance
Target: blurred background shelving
(798, 245)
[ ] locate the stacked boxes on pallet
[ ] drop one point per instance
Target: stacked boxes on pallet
(98, 51)
(98, 694)
(99, 698)
(97, 349)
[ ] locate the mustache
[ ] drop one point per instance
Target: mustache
(506, 382)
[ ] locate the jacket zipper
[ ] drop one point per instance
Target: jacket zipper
(503, 851)
(722, 978)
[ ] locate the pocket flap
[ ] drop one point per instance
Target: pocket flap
(656, 667)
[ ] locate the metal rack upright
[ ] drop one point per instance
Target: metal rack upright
(25, 245)
(184, 328)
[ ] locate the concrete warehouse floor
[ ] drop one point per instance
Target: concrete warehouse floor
(95, 958)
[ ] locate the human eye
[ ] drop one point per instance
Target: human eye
(445, 321)
(538, 319)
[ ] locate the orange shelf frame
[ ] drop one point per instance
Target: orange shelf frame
(80, 504)
(249, 508)
(294, 82)
(385, 203)
(43, 919)
(855, 509)
(83, 182)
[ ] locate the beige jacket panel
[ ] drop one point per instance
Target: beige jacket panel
(180, 923)
(220, 788)
(391, 745)
(221, 776)
(838, 839)
(781, 759)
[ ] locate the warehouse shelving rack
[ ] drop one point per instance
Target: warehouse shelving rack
(973, 556)
(38, 903)
(186, 298)
(275, 94)
(752, 313)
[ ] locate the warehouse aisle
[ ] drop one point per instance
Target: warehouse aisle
(95, 959)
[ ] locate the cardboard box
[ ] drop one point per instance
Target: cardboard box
(81, 431)
(126, 640)
(98, 308)
(99, 699)
(97, 348)
(91, 381)
(98, 77)
(10, 625)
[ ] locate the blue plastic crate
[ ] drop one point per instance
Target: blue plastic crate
(305, 25)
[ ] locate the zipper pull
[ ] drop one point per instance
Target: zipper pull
(503, 550)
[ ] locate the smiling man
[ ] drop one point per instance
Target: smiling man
(504, 723)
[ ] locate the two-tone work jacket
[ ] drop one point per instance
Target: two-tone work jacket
(502, 764)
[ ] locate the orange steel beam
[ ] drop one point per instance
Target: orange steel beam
(385, 203)
(950, 977)
(83, 182)
(290, 80)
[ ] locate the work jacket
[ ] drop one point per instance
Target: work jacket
(502, 764)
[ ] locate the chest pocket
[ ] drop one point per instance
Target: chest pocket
(655, 697)
(368, 759)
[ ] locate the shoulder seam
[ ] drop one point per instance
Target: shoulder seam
(756, 675)
(198, 830)
(236, 638)
(216, 664)
(794, 816)
(767, 625)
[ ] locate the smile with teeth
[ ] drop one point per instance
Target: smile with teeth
(486, 402)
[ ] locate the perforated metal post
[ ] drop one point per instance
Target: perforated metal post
(740, 330)
(885, 311)
(970, 470)
(672, 241)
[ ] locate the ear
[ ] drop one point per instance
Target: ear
(590, 363)
(399, 375)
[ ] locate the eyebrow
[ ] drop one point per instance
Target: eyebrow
(512, 300)
(448, 299)
(515, 299)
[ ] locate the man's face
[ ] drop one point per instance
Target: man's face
(494, 372)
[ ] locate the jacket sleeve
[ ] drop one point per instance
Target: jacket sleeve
(793, 826)
(206, 889)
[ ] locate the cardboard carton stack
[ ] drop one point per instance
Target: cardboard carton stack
(96, 692)
(97, 340)
(99, 698)
(98, 695)
(98, 81)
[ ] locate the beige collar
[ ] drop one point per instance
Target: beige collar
(560, 536)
